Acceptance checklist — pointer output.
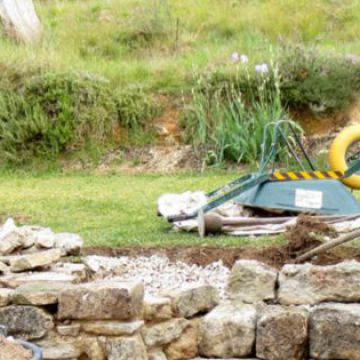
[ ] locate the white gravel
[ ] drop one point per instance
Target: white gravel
(157, 273)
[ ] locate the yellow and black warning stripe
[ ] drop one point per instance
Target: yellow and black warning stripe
(306, 175)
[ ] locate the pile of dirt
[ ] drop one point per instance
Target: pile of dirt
(10, 350)
(306, 235)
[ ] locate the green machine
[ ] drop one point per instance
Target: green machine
(307, 190)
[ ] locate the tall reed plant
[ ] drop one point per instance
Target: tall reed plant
(228, 120)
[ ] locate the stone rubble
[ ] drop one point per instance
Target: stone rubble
(142, 308)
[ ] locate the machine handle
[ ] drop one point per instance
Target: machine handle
(177, 218)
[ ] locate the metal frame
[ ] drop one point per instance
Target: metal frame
(244, 183)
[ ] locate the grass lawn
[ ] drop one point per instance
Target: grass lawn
(107, 210)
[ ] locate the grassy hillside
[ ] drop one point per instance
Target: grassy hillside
(157, 43)
(103, 65)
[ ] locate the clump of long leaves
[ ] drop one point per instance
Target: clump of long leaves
(229, 122)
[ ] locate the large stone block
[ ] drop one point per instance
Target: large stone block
(187, 345)
(70, 243)
(228, 331)
(193, 299)
(101, 300)
(5, 296)
(38, 293)
(15, 280)
(4, 269)
(164, 333)
(157, 355)
(26, 321)
(36, 260)
(251, 281)
(111, 328)
(311, 284)
(10, 238)
(335, 331)
(126, 348)
(157, 308)
(282, 333)
(71, 348)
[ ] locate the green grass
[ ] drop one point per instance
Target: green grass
(157, 43)
(108, 210)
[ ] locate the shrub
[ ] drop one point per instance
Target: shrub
(318, 82)
(135, 108)
(48, 114)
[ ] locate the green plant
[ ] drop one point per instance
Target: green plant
(49, 114)
(153, 22)
(317, 82)
(135, 108)
(230, 122)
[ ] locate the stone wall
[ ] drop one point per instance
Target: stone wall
(299, 312)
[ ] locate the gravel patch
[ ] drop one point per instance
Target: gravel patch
(158, 273)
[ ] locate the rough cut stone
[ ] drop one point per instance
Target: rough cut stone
(60, 348)
(157, 308)
(101, 300)
(251, 281)
(193, 299)
(15, 280)
(62, 351)
(112, 328)
(4, 269)
(38, 293)
(335, 331)
(26, 321)
(282, 333)
(71, 243)
(69, 330)
(126, 348)
(10, 239)
(311, 284)
(228, 331)
(165, 332)
(5, 297)
(28, 238)
(36, 260)
(44, 238)
(187, 345)
(77, 270)
(157, 355)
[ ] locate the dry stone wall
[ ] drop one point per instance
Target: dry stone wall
(300, 312)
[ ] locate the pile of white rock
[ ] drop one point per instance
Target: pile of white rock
(30, 248)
